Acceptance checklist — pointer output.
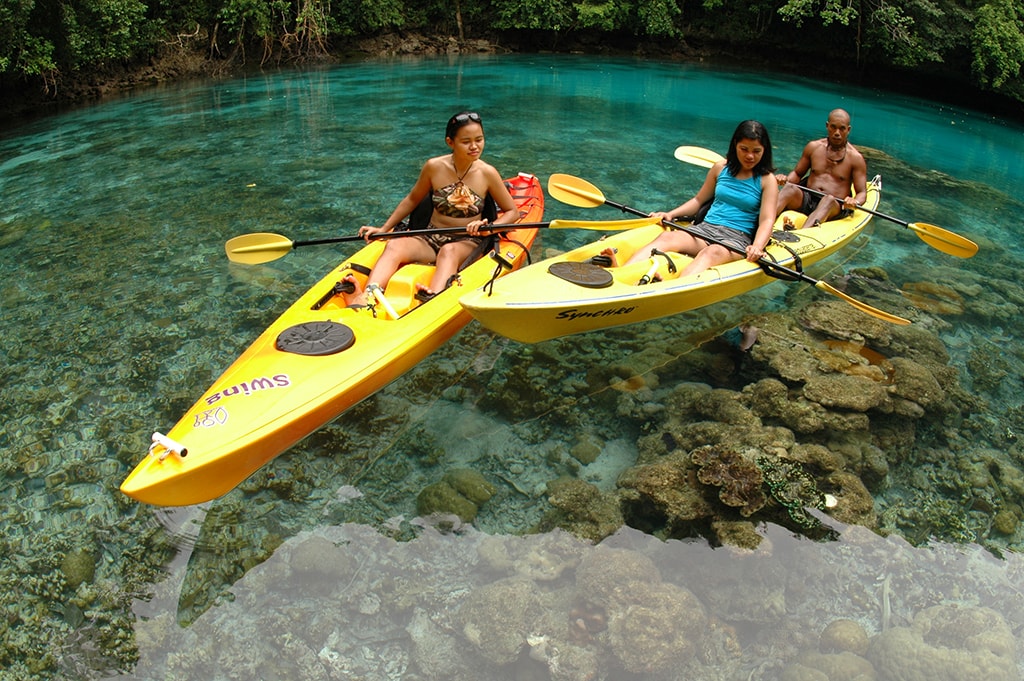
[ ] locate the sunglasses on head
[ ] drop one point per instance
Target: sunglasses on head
(465, 118)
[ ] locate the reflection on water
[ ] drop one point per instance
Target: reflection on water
(118, 309)
(346, 601)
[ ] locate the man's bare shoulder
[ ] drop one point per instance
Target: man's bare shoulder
(815, 145)
(855, 155)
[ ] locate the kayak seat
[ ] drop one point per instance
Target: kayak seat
(631, 274)
(401, 290)
(796, 217)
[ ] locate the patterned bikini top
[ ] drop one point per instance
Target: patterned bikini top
(457, 201)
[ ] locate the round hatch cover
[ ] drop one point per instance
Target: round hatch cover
(316, 338)
(582, 274)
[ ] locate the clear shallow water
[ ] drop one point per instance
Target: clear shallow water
(119, 308)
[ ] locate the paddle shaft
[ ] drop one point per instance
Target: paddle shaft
(790, 273)
(484, 231)
(489, 229)
(859, 207)
(573, 190)
(761, 261)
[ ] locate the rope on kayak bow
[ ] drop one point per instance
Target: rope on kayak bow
(503, 263)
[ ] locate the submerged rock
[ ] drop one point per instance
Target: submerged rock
(582, 509)
(660, 628)
(460, 493)
(442, 498)
(660, 495)
(497, 618)
(78, 567)
(608, 577)
(470, 484)
(842, 666)
(844, 635)
(948, 643)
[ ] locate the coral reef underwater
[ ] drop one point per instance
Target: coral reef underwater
(730, 514)
(840, 499)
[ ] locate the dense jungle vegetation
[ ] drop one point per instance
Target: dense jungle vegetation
(977, 45)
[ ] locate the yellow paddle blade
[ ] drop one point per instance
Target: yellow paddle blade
(256, 248)
(943, 240)
(862, 306)
(698, 156)
(574, 191)
(606, 225)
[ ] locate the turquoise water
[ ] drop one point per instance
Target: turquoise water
(119, 308)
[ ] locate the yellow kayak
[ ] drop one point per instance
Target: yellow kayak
(568, 294)
(318, 359)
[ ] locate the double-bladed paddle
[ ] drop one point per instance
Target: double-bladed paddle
(936, 237)
(261, 247)
(577, 192)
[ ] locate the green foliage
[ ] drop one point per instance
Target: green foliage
(827, 11)
(906, 34)
(979, 39)
(312, 26)
(292, 30)
(183, 15)
(252, 18)
(20, 51)
(44, 36)
(657, 17)
(603, 16)
(736, 21)
(35, 58)
(536, 15)
(94, 32)
(639, 17)
(367, 17)
(997, 43)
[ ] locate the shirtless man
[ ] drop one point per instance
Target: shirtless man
(834, 166)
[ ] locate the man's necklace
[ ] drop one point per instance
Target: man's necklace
(842, 158)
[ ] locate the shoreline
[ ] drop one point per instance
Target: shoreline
(181, 63)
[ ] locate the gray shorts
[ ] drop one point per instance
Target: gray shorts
(726, 235)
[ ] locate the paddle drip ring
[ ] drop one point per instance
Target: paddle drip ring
(316, 338)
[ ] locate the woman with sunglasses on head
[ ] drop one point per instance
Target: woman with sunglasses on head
(458, 185)
(742, 191)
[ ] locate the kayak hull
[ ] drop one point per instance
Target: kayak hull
(534, 304)
(270, 398)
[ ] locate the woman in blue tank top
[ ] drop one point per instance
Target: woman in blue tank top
(744, 192)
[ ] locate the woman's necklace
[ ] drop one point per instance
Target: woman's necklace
(455, 168)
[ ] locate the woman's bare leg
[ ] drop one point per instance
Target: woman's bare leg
(397, 253)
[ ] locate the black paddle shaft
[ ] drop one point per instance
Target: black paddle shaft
(764, 263)
(489, 229)
(859, 207)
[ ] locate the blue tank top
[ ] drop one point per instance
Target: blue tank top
(737, 203)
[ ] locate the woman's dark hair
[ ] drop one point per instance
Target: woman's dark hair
(750, 130)
(459, 120)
